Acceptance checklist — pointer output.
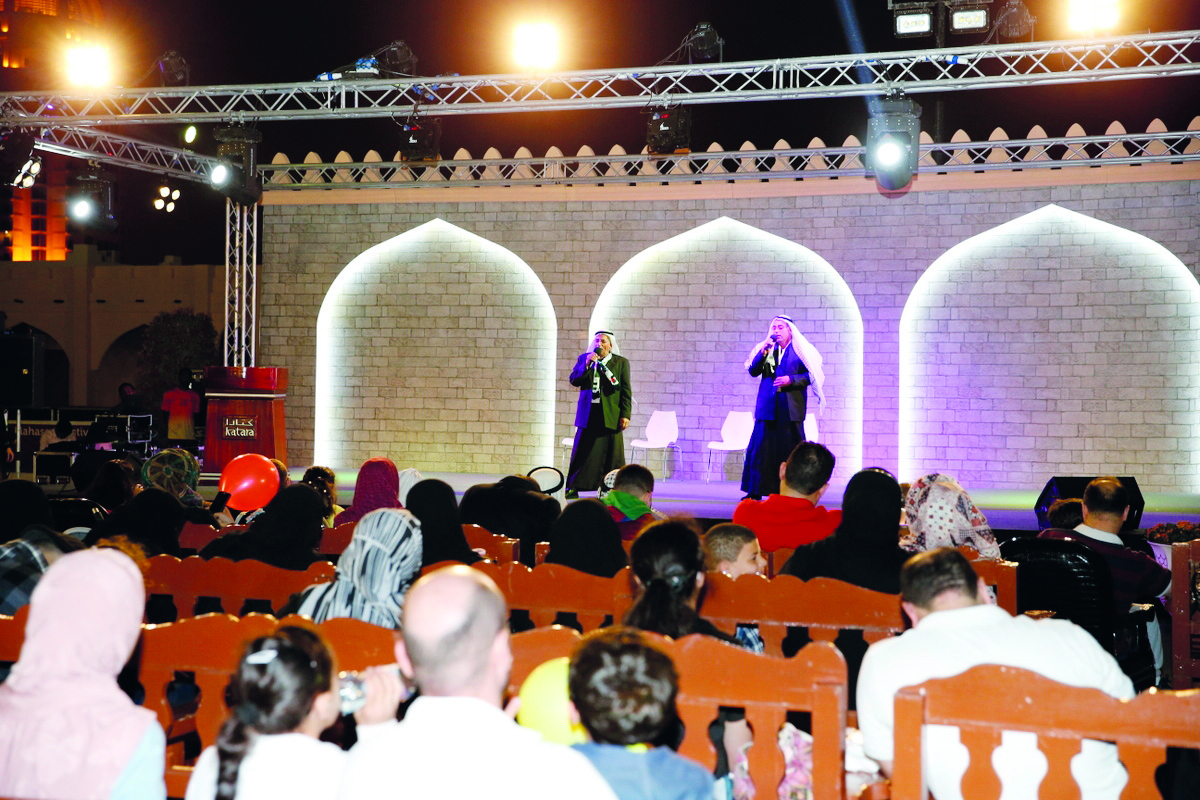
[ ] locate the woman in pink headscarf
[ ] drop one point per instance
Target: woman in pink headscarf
(66, 729)
(378, 486)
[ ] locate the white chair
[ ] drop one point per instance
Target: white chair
(662, 433)
(735, 435)
(568, 444)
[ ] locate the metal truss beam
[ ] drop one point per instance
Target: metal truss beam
(738, 165)
(241, 284)
(914, 72)
(121, 151)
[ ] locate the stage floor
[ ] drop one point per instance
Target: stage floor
(1006, 509)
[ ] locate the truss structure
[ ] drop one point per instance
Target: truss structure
(241, 284)
(739, 165)
(116, 150)
(914, 72)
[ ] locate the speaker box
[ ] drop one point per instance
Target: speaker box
(1061, 486)
(22, 368)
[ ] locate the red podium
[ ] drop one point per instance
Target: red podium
(245, 414)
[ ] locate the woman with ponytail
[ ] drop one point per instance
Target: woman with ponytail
(282, 697)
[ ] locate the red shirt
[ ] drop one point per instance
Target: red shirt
(782, 521)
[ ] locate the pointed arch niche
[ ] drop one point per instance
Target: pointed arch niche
(436, 349)
(1054, 344)
(689, 309)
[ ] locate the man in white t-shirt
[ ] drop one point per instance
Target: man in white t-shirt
(455, 740)
(955, 627)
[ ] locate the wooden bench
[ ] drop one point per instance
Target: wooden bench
(232, 582)
(334, 541)
(550, 589)
(12, 634)
(985, 701)
(495, 546)
(195, 537)
(1185, 621)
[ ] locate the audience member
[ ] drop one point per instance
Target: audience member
(377, 486)
(941, 514)
(733, 550)
(433, 503)
(373, 574)
(623, 689)
(408, 478)
(152, 520)
(318, 477)
(285, 535)
(792, 517)
(176, 471)
(865, 549)
(23, 561)
(130, 402)
(1065, 513)
(283, 695)
(22, 503)
(954, 629)
(1136, 576)
(66, 728)
(585, 537)
(629, 500)
(455, 740)
(514, 506)
(114, 485)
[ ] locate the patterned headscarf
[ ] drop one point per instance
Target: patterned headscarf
(941, 514)
(373, 574)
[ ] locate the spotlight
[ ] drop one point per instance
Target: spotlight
(173, 70)
(703, 44)
(420, 139)
(17, 159)
(535, 45)
(91, 202)
(189, 134)
(969, 20)
(236, 176)
(166, 198)
(1087, 16)
(893, 142)
(912, 22)
(1014, 20)
(669, 131)
(89, 65)
(390, 61)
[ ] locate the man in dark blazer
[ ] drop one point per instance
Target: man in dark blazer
(605, 406)
(779, 407)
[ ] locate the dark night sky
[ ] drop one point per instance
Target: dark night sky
(266, 41)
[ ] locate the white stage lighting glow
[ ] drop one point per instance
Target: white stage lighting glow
(1052, 344)
(219, 175)
(89, 65)
(535, 45)
(83, 209)
(741, 262)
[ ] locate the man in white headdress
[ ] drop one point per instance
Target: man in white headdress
(786, 364)
(603, 412)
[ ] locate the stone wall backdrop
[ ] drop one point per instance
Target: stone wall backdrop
(576, 239)
(435, 347)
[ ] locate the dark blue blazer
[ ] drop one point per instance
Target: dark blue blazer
(796, 393)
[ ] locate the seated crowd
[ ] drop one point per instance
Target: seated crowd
(457, 738)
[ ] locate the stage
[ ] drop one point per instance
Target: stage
(1006, 509)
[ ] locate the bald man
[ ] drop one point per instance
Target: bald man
(456, 741)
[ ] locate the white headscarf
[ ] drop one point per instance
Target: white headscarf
(807, 353)
(612, 337)
(373, 574)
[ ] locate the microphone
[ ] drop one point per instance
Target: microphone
(774, 337)
(597, 350)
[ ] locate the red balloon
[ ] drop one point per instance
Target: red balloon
(251, 480)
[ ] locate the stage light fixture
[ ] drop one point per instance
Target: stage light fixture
(173, 69)
(17, 158)
(420, 139)
(28, 173)
(669, 131)
(893, 142)
(969, 20)
(395, 60)
(1014, 20)
(89, 65)
(236, 174)
(167, 197)
(91, 202)
(1088, 16)
(535, 45)
(914, 22)
(704, 44)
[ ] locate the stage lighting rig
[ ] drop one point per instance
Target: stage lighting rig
(1014, 21)
(703, 44)
(893, 142)
(236, 176)
(420, 139)
(91, 202)
(166, 198)
(19, 165)
(173, 69)
(916, 17)
(395, 60)
(669, 130)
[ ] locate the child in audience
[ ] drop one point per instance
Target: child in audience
(733, 550)
(623, 690)
(282, 697)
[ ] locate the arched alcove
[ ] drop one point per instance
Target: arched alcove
(436, 348)
(118, 365)
(55, 366)
(688, 310)
(1054, 344)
